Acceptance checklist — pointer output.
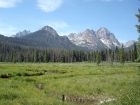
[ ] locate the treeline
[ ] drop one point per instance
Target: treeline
(16, 53)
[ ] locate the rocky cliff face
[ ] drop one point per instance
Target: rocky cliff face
(101, 39)
(107, 38)
(87, 39)
(20, 34)
(50, 30)
(129, 43)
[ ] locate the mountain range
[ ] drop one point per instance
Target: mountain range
(20, 34)
(47, 37)
(100, 39)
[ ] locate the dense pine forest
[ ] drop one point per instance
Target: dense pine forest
(16, 53)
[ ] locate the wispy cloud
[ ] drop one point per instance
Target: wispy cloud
(8, 3)
(49, 5)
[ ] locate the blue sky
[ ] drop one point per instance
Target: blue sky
(70, 16)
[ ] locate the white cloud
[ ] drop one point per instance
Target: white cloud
(8, 3)
(49, 5)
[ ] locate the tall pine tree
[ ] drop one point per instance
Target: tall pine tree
(138, 29)
(98, 60)
(135, 51)
(36, 56)
(122, 57)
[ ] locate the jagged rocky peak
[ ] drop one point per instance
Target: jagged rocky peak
(107, 38)
(20, 34)
(103, 29)
(129, 43)
(87, 39)
(91, 39)
(103, 33)
(49, 29)
(71, 36)
(88, 31)
(88, 34)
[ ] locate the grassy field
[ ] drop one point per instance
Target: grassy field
(81, 83)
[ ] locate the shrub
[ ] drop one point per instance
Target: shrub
(4, 76)
(18, 74)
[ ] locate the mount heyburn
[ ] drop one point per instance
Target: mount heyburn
(100, 39)
(20, 34)
(47, 37)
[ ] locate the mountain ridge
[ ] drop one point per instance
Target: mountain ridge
(100, 39)
(47, 37)
(20, 34)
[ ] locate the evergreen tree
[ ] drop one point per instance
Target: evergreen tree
(112, 57)
(98, 60)
(129, 55)
(20, 57)
(132, 55)
(122, 57)
(36, 56)
(27, 58)
(116, 54)
(14, 59)
(135, 51)
(138, 29)
(94, 56)
(102, 55)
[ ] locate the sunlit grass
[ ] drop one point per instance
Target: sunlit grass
(76, 80)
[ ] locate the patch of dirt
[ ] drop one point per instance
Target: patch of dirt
(79, 99)
(39, 86)
(5, 76)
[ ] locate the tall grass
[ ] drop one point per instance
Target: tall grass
(45, 83)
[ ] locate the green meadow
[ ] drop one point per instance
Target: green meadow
(69, 84)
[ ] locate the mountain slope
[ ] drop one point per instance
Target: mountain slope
(102, 39)
(107, 38)
(20, 34)
(46, 37)
(87, 39)
(18, 41)
(129, 43)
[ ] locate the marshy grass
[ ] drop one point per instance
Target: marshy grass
(45, 83)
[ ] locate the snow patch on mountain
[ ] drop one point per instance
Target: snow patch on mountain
(94, 40)
(129, 43)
